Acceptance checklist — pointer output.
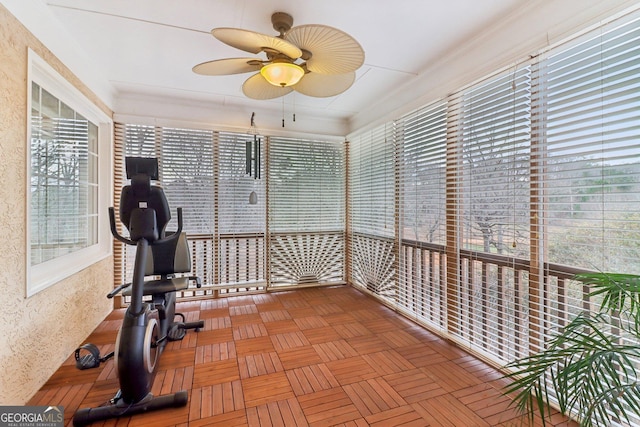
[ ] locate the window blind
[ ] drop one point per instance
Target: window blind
(494, 136)
(234, 187)
(422, 160)
(187, 169)
(591, 147)
(372, 182)
(306, 185)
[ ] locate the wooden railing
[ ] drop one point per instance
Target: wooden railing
(236, 263)
(494, 312)
(233, 265)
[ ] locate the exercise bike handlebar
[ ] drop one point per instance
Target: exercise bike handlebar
(117, 235)
(117, 290)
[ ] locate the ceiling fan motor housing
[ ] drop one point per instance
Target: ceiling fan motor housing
(282, 22)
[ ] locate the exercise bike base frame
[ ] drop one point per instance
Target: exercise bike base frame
(150, 403)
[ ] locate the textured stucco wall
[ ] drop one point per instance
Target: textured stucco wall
(40, 332)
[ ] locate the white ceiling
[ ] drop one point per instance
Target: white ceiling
(148, 47)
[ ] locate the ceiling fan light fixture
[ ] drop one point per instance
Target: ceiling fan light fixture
(282, 74)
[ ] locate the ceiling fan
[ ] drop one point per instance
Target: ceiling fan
(315, 60)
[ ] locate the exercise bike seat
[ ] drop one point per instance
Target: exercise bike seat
(161, 286)
(165, 260)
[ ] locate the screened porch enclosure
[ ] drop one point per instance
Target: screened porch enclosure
(470, 215)
(295, 233)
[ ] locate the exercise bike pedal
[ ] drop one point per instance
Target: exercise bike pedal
(176, 332)
(91, 357)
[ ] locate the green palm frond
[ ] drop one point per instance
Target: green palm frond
(585, 369)
(619, 292)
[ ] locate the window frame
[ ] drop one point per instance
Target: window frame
(46, 274)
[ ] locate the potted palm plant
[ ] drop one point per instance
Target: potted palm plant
(590, 367)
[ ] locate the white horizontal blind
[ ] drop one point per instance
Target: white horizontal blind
(372, 182)
(422, 158)
(131, 141)
(494, 133)
(591, 147)
(422, 137)
(135, 141)
(236, 215)
(372, 210)
(306, 187)
(186, 175)
(186, 168)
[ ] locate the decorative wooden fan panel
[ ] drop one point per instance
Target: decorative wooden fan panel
(306, 258)
(372, 264)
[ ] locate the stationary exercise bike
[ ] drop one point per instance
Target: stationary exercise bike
(148, 324)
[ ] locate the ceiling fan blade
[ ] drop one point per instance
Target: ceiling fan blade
(333, 51)
(256, 87)
(253, 42)
(223, 67)
(325, 85)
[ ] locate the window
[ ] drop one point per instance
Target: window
(493, 164)
(372, 180)
(186, 174)
(492, 210)
(67, 186)
(306, 185)
(236, 214)
(241, 224)
(186, 165)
